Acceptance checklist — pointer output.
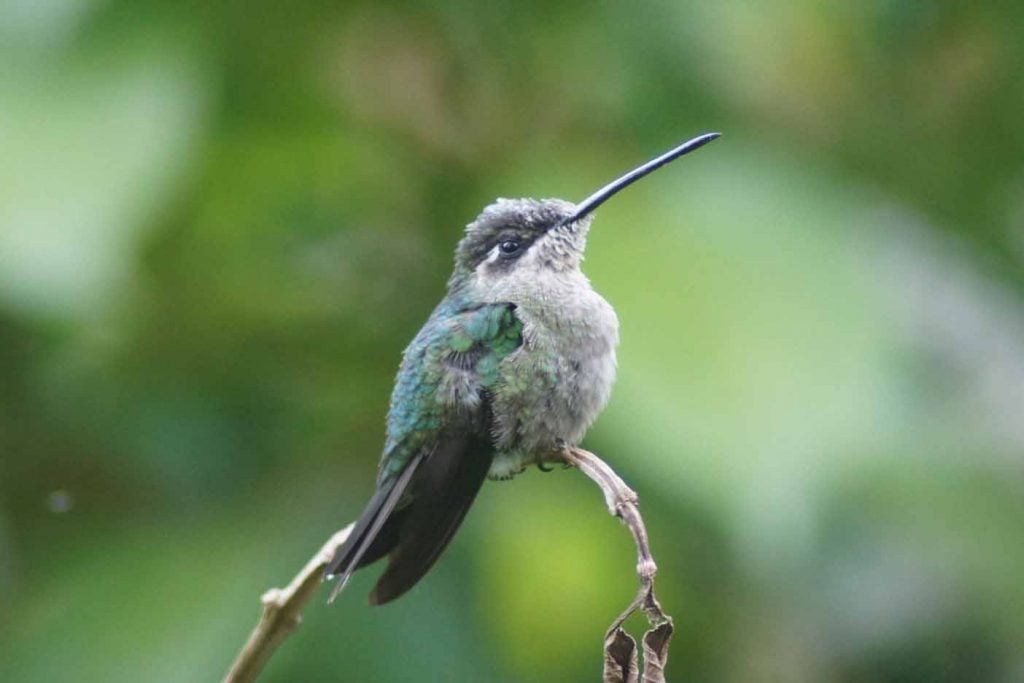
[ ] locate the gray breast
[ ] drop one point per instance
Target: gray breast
(555, 385)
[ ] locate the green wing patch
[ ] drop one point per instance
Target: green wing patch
(445, 373)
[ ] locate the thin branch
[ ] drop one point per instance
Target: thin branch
(620, 648)
(282, 613)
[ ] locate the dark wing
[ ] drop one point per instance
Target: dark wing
(438, 449)
(445, 485)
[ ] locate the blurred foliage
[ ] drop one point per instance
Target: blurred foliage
(221, 222)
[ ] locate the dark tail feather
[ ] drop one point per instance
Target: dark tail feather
(372, 538)
(445, 486)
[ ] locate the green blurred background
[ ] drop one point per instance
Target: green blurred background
(221, 222)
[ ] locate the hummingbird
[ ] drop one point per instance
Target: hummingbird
(514, 364)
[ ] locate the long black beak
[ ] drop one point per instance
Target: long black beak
(601, 196)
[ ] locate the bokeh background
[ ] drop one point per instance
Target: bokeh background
(221, 222)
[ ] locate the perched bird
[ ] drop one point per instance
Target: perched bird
(515, 362)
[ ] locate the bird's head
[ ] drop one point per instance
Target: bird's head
(514, 240)
(521, 236)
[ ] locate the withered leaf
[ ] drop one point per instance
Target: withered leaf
(620, 658)
(656, 652)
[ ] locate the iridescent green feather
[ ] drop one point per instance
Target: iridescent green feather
(446, 372)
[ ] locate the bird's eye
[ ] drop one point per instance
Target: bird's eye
(509, 247)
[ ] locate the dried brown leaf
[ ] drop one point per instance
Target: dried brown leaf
(656, 652)
(620, 658)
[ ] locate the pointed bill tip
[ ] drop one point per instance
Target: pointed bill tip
(685, 148)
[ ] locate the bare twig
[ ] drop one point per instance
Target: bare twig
(282, 607)
(282, 613)
(620, 648)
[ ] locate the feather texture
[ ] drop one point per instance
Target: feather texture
(445, 486)
(439, 446)
(366, 543)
